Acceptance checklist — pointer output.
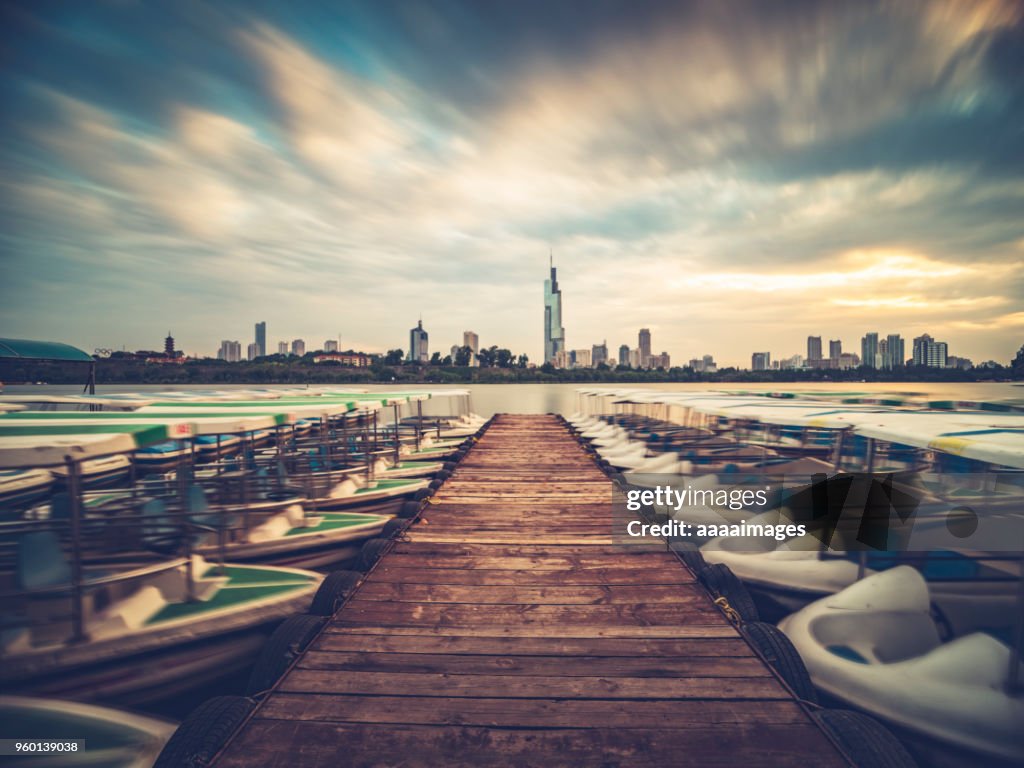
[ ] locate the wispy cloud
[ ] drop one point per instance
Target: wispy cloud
(731, 175)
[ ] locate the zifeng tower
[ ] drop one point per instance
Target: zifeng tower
(554, 333)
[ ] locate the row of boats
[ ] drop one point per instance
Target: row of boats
(922, 627)
(150, 544)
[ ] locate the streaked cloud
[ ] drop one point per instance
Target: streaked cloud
(701, 169)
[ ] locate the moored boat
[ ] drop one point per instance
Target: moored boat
(874, 646)
(113, 738)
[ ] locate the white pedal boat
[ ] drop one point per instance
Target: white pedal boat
(874, 647)
(971, 594)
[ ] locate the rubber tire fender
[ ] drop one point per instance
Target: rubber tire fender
(779, 651)
(409, 509)
(204, 732)
(336, 586)
(690, 554)
(290, 639)
(867, 742)
(393, 528)
(371, 553)
(722, 582)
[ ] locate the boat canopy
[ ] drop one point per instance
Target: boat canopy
(47, 445)
(999, 442)
(228, 423)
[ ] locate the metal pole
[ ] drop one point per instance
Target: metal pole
(419, 423)
(838, 457)
(1013, 682)
(396, 432)
(77, 596)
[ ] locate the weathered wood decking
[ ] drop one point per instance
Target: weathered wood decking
(507, 630)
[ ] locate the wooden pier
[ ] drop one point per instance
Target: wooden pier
(507, 629)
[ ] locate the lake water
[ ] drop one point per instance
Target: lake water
(488, 399)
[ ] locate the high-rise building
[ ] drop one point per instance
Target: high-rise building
(230, 351)
(663, 361)
(282, 347)
(634, 357)
(869, 357)
(261, 338)
(847, 360)
(624, 355)
(252, 351)
(894, 352)
(471, 340)
(929, 352)
(599, 354)
(813, 349)
(331, 345)
(835, 349)
(554, 333)
(418, 339)
(645, 347)
(298, 347)
(761, 361)
(581, 358)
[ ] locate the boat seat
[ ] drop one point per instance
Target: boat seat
(159, 533)
(199, 511)
(40, 561)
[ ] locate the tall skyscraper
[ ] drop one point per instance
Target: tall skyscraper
(282, 347)
(645, 348)
(230, 351)
(252, 351)
(418, 344)
(894, 352)
(869, 351)
(298, 347)
(929, 352)
(471, 340)
(599, 354)
(835, 349)
(624, 355)
(761, 361)
(261, 339)
(554, 333)
(813, 349)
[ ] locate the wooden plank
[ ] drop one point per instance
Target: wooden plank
(528, 713)
(520, 595)
(689, 647)
(362, 612)
(301, 680)
(281, 743)
(548, 666)
(386, 572)
(707, 628)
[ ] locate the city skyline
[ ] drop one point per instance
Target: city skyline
(698, 170)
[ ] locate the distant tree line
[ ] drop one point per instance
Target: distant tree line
(497, 365)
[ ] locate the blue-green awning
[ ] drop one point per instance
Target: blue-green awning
(25, 349)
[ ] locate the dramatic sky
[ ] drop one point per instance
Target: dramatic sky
(734, 176)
